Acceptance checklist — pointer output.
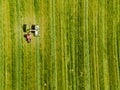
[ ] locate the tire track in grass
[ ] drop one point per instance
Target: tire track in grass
(86, 48)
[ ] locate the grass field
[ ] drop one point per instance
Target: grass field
(78, 47)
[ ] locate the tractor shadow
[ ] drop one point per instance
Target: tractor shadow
(24, 27)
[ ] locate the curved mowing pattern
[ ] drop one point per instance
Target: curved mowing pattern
(78, 47)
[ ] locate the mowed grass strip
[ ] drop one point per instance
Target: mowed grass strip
(24, 61)
(62, 14)
(100, 45)
(37, 10)
(115, 26)
(7, 48)
(58, 44)
(78, 46)
(86, 48)
(111, 46)
(95, 45)
(1, 50)
(53, 46)
(13, 29)
(65, 23)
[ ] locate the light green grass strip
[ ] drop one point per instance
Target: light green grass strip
(19, 43)
(1, 59)
(13, 16)
(53, 48)
(86, 48)
(62, 43)
(73, 45)
(37, 66)
(116, 63)
(101, 9)
(95, 28)
(105, 60)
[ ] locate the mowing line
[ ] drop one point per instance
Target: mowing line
(110, 44)
(73, 47)
(65, 46)
(19, 43)
(53, 48)
(13, 44)
(118, 43)
(42, 46)
(3, 46)
(100, 42)
(37, 46)
(105, 58)
(116, 63)
(37, 13)
(96, 78)
(1, 38)
(78, 44)
(62, 45)
(69, 74)
(7, 48)
(86, 48)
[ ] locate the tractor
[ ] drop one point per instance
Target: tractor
(30, 29)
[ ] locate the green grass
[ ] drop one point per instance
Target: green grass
(78, 47)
